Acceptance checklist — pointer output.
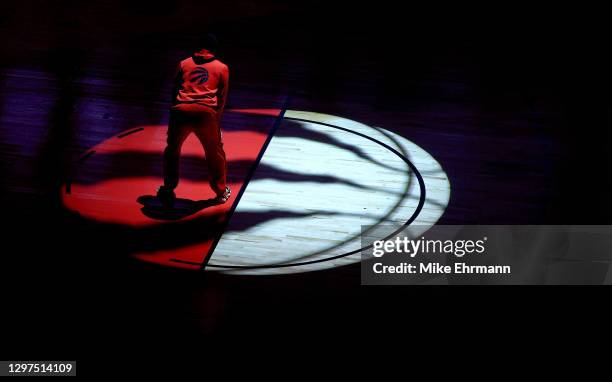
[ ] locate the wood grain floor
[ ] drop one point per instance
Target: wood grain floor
(514, 106)
(337, 182)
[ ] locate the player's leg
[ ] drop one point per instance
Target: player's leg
(178, 131)
(208, 132)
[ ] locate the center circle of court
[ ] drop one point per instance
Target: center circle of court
(114, 190)
(414, 215)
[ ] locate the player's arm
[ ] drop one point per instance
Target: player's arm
(223, 90)
(178, 83)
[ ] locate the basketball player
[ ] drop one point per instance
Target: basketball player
(199, 98)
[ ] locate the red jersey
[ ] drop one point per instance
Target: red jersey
(202, 79)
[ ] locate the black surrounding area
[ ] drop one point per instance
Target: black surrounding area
(513, 100)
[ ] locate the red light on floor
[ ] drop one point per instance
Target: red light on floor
(117, 183)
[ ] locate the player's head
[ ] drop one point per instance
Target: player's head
(209, 42)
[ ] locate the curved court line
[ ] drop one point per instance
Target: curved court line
(400, 152)
(415, 214)
(404, 196)
(332, 141)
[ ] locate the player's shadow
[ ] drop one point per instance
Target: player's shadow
(153, 208)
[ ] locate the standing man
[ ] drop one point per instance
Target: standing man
(199, 98)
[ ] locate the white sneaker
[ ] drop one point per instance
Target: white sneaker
(224, 197)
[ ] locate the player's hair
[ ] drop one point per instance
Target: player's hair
(209, 42)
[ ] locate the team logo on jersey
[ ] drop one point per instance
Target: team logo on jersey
(199, 76)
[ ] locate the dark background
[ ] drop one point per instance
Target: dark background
(512, 99)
